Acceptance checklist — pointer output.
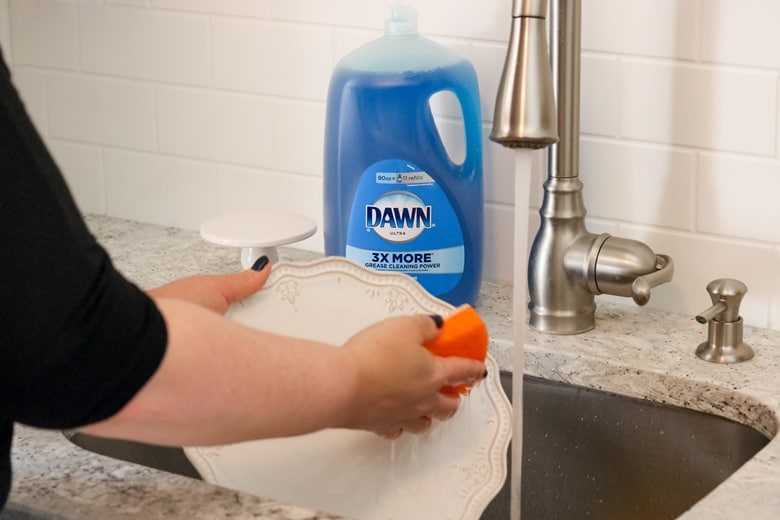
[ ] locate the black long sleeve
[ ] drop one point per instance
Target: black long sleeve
(77, 340)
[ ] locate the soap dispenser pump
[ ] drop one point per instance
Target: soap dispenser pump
(724, 324)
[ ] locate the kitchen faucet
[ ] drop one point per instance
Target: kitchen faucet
(567, 265)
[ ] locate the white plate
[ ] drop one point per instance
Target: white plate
(450, 472)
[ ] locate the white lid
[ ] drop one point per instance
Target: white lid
(265, 227)
(257, 232)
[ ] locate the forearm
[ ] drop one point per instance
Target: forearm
(222, 382)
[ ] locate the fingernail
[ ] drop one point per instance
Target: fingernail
(484, 375)
(260, 263)
(438, 320)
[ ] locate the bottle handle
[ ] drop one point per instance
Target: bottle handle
(472, 125)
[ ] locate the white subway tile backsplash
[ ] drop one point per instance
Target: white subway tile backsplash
(499, 226)
(31, 85)
(741, 32)
(5, 32)
(488, 20)
(311, 50)
(599, 96)
(82, 167)
(243, 55)
(223, 127)
(145, 44)
(134, 3)
(369, 14)
(641, 184)
(198, 107)
(299, 136)
(45, 34)
(499, 257)
(600, 226)
(714, 108)
(497, 171)
(499, 229)
(255, 56)
(499, 174)
(661, 28)
(159, 189)
(103, 111)
(739, 197)
(249, 8)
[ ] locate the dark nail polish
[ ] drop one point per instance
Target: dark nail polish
(484, 375)
(438, 320)
(260, 263)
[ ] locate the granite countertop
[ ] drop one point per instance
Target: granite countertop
(632, 351)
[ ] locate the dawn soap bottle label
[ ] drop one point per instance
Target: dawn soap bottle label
(401, 220)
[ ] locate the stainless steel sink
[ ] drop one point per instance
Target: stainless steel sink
(586, 454)
(593, 454)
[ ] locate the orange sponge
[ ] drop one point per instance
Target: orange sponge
(463, 334)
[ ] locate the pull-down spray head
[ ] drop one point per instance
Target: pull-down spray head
(525, 104)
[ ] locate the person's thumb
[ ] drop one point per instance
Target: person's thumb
(237, 286)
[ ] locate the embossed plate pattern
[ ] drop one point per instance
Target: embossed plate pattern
(450, 472)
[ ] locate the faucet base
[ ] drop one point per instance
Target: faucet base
(562, 323)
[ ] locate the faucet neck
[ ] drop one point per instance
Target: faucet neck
(568, 265)
(565, 49)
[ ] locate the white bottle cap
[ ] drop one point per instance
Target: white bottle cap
(402, 21)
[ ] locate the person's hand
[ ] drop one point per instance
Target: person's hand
(216, 292)
(399, 380)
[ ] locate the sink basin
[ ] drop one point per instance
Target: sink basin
(586, 454)
(594, 454)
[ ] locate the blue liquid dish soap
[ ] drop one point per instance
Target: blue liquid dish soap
(394, 199)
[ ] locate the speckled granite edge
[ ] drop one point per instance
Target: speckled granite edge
(55, 479)
(632, 351)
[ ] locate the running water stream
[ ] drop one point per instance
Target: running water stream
(525, 161)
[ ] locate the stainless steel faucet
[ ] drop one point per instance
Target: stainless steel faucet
(568, 265)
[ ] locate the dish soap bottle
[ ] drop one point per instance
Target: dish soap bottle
(394, 198)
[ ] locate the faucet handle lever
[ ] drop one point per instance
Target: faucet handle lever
(640, 289)
(625, 267)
